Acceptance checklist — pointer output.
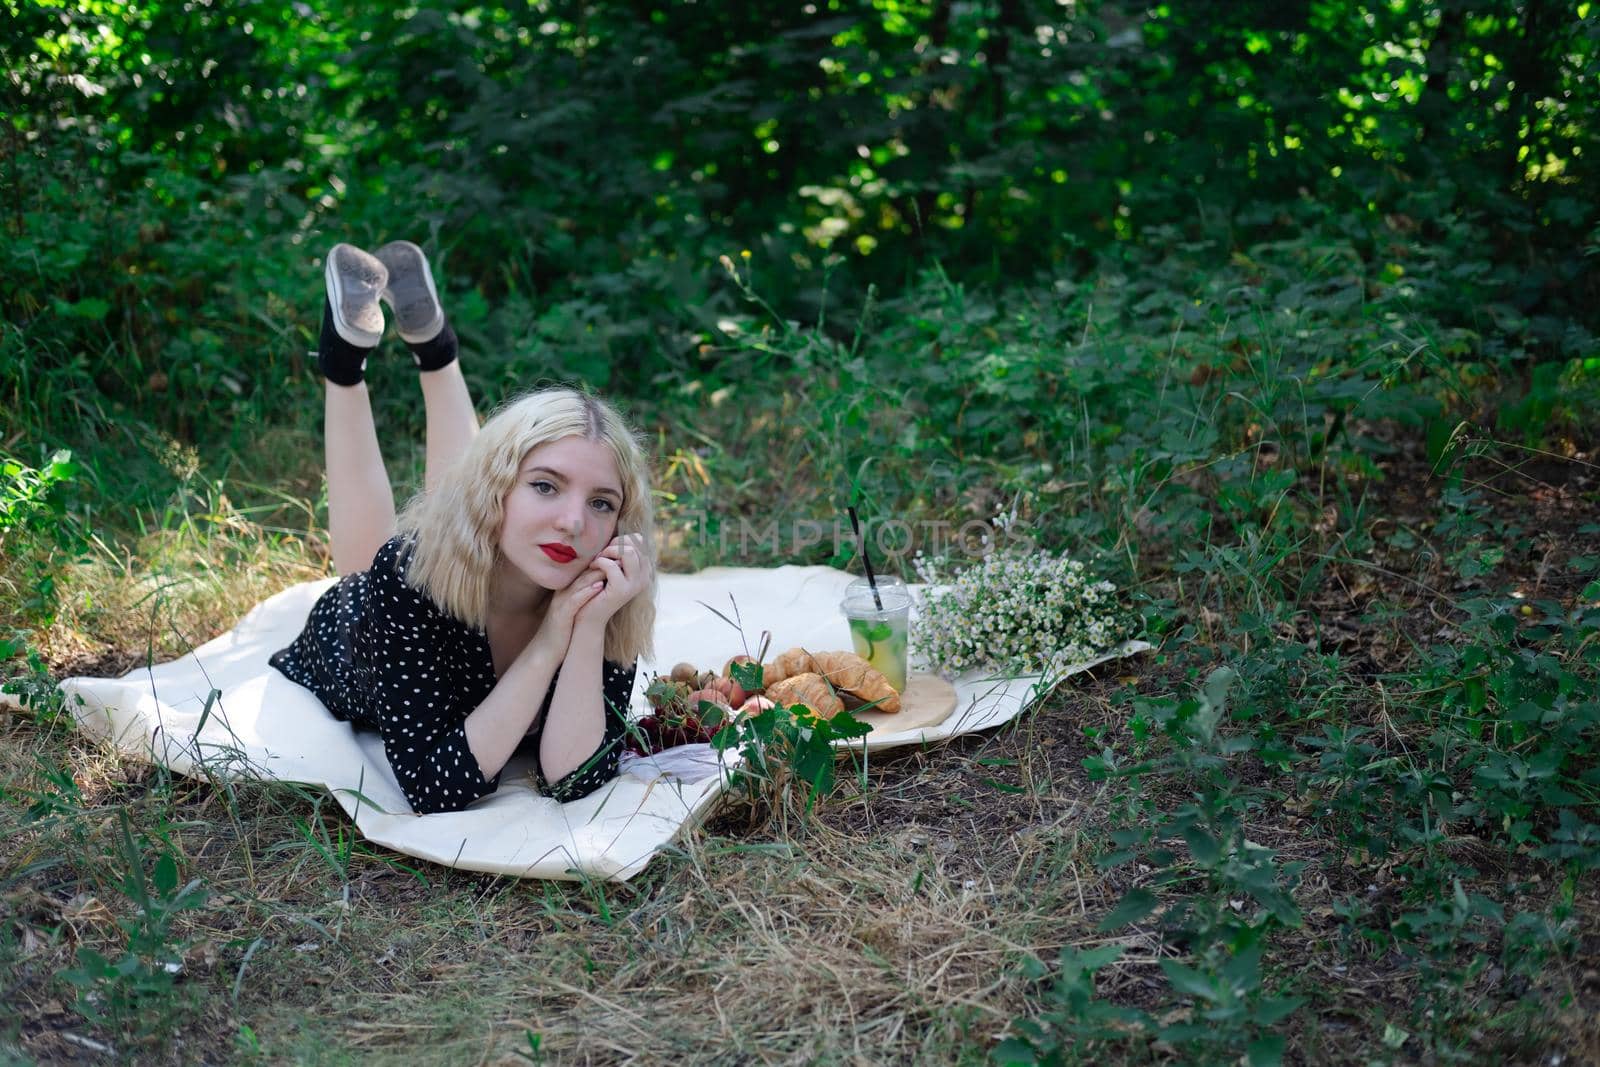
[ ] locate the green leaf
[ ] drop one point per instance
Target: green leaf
(1089, 961)
(748, 675)
(205, 712)
(1218, 684)
(1206, 849)
(92, 965)
(1190, 981)
(1134, 905)
(845, 725)
(166, 874)
(1116, 859)
(91, 308)
(1278, 903)
(1244, 970)
(1266, 1051)
(1441, 441)
(365, 800)
(1015, 1051)
(1271, 1010)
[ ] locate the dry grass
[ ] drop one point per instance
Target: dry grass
(868, 938)
(888, 926)
(864, 938)
(172, 592)
(886, 929)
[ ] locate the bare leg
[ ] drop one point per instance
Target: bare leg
(421, 323)
(360, 500)
(452, 424)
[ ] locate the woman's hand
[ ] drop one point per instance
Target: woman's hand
(555, 632)
(626, 569)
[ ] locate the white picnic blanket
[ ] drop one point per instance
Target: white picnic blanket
(221, 710)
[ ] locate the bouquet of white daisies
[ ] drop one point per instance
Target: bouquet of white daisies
(1014, 612)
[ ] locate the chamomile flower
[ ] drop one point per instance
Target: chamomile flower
(1015, 612)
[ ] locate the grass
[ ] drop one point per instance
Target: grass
(1346, 812)
(865, 940)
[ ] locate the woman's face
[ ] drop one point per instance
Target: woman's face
(562, 511)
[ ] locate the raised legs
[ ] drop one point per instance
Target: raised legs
(361, 509)
(360, 499)
(452, 423)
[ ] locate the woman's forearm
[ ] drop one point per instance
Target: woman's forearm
(496, 726)
(576, 724)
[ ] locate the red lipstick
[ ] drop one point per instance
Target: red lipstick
(559, 553)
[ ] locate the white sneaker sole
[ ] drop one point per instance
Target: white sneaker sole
(418, 314)
(355, 280)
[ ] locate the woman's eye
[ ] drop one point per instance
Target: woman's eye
(602, 504)
(543, 488)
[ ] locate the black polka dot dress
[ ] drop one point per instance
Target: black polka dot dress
(381, 655)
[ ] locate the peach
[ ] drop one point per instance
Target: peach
(715, 696)
(755, 705)
(730, 689)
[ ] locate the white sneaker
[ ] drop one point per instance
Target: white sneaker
(410, 292)
(356, 280)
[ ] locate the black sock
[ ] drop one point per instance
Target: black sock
(439, 352)
(341, 362)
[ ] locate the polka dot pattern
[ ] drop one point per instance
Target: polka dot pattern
(381, 655)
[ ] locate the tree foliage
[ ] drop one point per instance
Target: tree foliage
(172, 170)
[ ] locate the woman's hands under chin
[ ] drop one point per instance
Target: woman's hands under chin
(626, 570)
(566, 606)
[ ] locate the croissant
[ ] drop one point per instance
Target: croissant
(856, 680)
(849, 673)
(793, 662)
(810, 689)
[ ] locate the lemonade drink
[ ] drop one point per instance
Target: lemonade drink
(881, 634)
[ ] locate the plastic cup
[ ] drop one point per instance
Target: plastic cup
(881, 635)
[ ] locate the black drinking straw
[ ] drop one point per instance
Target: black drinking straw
(866, 560)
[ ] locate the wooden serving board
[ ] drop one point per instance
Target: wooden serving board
(927, 701)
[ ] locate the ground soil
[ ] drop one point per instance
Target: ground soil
(982, 808)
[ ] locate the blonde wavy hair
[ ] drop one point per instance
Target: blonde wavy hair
(455, 528)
